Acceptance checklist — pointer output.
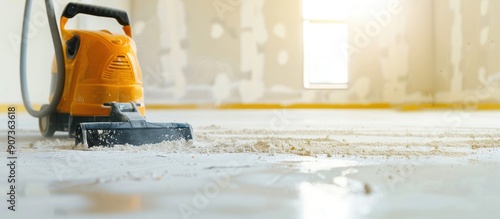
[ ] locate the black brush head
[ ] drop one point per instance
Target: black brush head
(108, 134)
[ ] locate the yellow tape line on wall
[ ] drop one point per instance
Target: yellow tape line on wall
(262, 106)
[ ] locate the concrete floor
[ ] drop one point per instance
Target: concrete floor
(271, 164)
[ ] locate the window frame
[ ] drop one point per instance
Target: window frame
(307, 83)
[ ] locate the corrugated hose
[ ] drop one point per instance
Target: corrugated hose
(56, 39)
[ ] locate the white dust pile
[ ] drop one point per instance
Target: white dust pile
(361, 142)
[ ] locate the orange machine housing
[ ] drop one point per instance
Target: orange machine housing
(101, 67)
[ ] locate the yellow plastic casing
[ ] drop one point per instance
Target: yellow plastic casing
(104, 69)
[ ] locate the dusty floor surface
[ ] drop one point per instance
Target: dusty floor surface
(269, 164)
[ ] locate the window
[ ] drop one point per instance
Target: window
(325, 38)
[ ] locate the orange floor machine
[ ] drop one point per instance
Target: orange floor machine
(96, 92)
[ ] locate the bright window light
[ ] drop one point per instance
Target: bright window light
(325, 9)
(325, 35)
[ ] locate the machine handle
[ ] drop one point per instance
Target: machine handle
(72, 9)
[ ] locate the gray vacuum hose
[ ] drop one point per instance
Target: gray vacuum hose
(56, 39)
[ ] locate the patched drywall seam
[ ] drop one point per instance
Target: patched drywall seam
(173, 55)
(456, 46)
(395, 64)
(254, 35)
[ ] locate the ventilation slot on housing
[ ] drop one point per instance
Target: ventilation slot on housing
(121, 65)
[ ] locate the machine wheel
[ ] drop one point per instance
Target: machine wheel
(47, 124)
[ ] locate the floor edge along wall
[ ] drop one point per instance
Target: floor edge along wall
(263, 106)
